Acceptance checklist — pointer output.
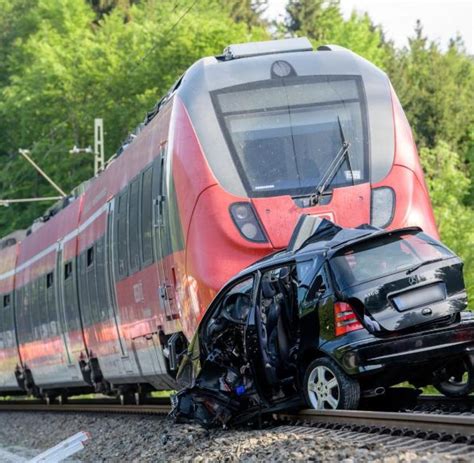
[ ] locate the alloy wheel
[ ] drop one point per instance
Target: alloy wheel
(323, 388)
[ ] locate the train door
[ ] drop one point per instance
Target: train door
(63, 329)
(162, 238)
(110, 276)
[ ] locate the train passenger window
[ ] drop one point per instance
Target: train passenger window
(147, 217)
(49, 280)
(121, 247)
(67, 270)
(90, 256)
(6, 300)
(134, 226)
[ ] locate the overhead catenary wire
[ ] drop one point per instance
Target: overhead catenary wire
(166, 34)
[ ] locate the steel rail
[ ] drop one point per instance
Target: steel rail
(87, 407)
(460, 425)
(444, 424)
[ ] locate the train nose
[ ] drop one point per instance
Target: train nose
(348, 207)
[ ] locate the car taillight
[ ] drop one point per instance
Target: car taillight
(345, 319)
(247, 223)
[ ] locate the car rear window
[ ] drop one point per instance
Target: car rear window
(388, 254)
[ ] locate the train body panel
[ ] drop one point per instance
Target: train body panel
(108, 290)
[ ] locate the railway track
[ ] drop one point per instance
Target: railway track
(416, 430)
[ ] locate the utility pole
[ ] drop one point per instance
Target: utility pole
(99, 160)
(99, 157)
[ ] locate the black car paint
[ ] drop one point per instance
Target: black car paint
(377, 357)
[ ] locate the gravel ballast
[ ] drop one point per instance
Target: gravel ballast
(150, 439)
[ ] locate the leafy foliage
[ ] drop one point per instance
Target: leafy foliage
(448, 185)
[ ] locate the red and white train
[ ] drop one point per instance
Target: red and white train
(104, 293)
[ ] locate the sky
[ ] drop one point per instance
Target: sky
(441, 19)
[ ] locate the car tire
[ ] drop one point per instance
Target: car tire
(460, 386)
(327, 387)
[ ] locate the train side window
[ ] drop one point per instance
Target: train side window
(147, 217)
(49, 280)
(121, 246)
(90, 256)
(6, 300)
(134, 226)
(67, 270)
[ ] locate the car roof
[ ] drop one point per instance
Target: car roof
(328, 239)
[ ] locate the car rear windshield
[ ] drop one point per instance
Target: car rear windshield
(284, 133)
(389, 254)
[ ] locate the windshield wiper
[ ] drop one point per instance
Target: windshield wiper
(333, 169)
(420, 264)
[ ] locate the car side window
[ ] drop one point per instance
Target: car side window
(316, 286)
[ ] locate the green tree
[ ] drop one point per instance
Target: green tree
(436, 90)
(323, 23)
(448, 185)
(247, 11)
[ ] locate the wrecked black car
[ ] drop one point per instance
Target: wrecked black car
(339, 315)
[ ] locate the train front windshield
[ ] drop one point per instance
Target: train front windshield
(284, 133)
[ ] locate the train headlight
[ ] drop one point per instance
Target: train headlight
(382, 207)
(247, 223)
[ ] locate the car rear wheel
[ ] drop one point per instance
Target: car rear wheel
(461, 381)
(327, 387)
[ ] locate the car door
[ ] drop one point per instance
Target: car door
(270, 333)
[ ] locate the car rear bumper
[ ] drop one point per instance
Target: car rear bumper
(374, 354)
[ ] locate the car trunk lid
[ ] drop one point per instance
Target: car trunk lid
(406, 301)
(397, 293)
